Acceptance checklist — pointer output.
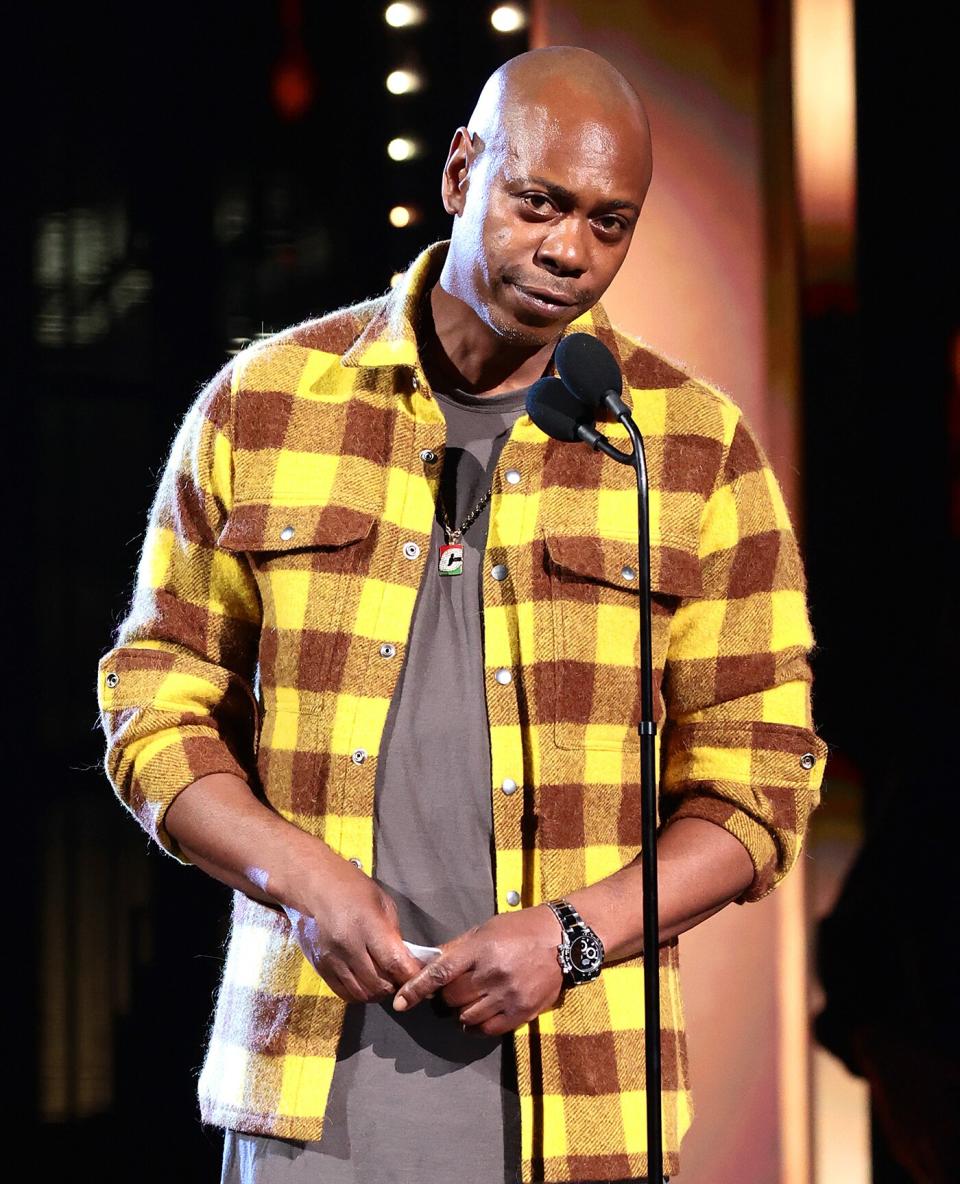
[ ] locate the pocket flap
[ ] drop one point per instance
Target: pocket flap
(262, 526)
(614, 561)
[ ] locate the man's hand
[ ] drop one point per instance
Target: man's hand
(348, 931)
(343, 920)
(501, 974)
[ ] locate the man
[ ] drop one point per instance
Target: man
(379, 676)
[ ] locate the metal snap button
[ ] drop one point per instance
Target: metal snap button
(428, 456)
(356, 863)
(411, 550)
(358, 756)
(513, 476)
(498, 571)
(509, 785)
(287, 533)
(388, 649)
(415, 382)
(112, 679)
(503, 676)
(628, 573)
(513, 897)
(807, 761)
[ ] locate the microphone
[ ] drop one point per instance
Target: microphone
(590, 371)
(558, 413)
(591, 377)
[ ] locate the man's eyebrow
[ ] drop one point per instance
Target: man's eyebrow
(566, 195)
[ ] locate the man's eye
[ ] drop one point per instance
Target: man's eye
(612, 224)
(531, 198)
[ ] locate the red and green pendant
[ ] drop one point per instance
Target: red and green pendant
(451, 556)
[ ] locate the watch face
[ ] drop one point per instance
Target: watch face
(585, 953)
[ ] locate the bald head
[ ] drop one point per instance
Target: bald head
(546, 184)
(537, 91)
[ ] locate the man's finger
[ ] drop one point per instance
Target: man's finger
(350, 988)
(432, 978)
(367, 975)
(395, 962)
(462, 991)
(335, 983)
(482, 1009)
(497, 1025)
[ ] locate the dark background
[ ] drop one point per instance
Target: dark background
(161, 207)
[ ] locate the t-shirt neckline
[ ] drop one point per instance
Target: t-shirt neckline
(505, 401)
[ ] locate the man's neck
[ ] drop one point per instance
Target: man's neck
(461, 352)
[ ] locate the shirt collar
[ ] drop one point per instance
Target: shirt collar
(390, 337)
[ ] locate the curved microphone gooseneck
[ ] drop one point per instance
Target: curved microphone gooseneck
(566, 410)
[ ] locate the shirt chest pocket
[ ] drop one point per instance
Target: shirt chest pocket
(595, 614)
(309, 563)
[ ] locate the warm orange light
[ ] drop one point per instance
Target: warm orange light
(825, 116)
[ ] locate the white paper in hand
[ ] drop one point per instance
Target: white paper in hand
(424, 953)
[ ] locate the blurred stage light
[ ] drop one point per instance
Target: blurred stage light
(401, 216)
(293, 86)
(825, 119)
(396, 278)
(403, 82)
(508, 18)
(400, 16)
(402, 148)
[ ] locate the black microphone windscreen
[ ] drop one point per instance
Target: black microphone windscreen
(588, 368)
(555, 411)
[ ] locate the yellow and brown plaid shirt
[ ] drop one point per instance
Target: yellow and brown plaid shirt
(285, 546)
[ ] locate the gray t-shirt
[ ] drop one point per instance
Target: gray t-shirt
(413, 1097)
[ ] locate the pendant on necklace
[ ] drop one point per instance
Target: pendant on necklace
(451, 559)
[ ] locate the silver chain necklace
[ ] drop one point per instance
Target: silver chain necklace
(450, 562)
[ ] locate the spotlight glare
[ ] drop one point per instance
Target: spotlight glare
(401, 148)
(402, 82)
(396, 278)
(508, 18)
(401, 216)
(401, 16)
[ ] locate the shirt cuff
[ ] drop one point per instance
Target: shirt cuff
(161, 766)
(157, 746)
(759, 781)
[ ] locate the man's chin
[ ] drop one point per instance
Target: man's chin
(533, 330)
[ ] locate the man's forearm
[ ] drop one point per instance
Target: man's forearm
(228, 833)
(701, 868)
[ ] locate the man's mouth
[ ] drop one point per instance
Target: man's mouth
(544, 300)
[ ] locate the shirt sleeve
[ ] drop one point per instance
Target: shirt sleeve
(739, 747)
(175, 692)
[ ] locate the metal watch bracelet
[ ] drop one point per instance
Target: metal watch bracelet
(581, 953)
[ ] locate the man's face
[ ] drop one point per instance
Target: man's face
(546, 214)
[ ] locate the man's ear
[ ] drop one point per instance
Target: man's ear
(454, 183)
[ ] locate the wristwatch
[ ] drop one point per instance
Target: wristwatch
(581, 953)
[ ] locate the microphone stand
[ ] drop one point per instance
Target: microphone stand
(648, 803)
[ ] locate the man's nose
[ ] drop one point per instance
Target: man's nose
(565, 249)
